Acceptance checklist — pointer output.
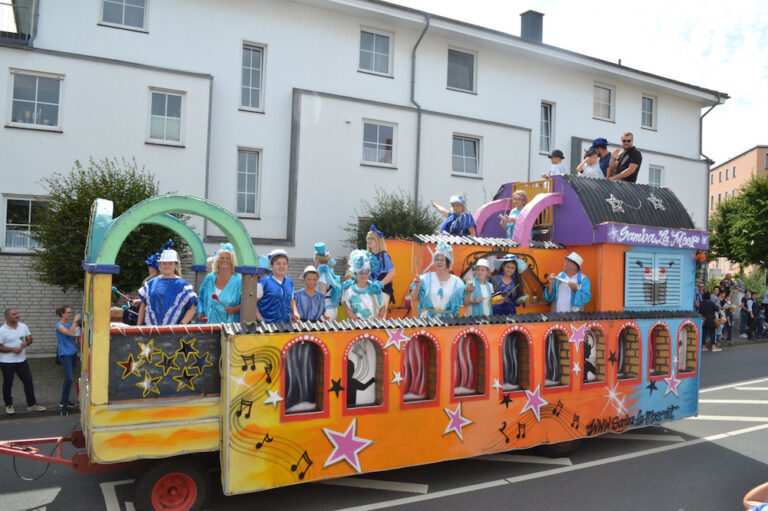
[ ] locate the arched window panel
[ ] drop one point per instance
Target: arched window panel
(628, 353)
(419, 369)
(365, 373)
(593, 355)
(516, 362)
(469, 364)
(659, 351)
(557, 358)
(304, 377)
(687, 349)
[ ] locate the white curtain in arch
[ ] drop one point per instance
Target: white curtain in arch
(590, 357)
(415, 366)
(552, 360)
(682, 349)
(465, 367)
(301, 377)
(511, 362)
(361, 373)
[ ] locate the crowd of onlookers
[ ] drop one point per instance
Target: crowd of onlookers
(599, 163)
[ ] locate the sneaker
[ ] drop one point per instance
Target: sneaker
(64, 411)
(9, 410)
(716, 349)
(743, 336)
(36, 408)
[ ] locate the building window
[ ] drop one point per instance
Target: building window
(602, 106)
(718, 198)
(545, 136)
(252, 77)
(165, 117)
(248, 182)
(720, 176)
(126, 13)
(726, 195)
(21, 217)
(733, 172)
(712, 179)
(378, 143)
(733, 193)
(726, 173)
(375, 52)
(465, 159)
(711, 202)
(655, 175)
(765, 166)
(35, 100)
(461, 70)
(648, 117)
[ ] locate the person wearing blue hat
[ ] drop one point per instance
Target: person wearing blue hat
(382, 268)
(459, 221)
(604, 155)
(328, 282)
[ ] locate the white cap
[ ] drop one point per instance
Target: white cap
(483, 263)
(309, 269)
(169, 256)
(575, 258)
(278, 252)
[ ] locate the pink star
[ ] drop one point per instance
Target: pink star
(535, 402)
(456, 421)
(396, 338)
(672, 384)
(577, 335)
(346, 446)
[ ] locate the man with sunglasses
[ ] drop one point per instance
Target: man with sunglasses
(625, 165)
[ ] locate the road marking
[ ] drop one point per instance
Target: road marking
(523, 458)
(110, 495)
(30, 499)
(640, 436)
(546, 473)
(732, 385)
(751, 388)
(374, 484)
(129, 506)
(733, 418)
(735, 401)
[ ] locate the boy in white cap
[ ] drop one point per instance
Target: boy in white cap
(478, 299)
(310, 304)
(274, 293)
(570, 290)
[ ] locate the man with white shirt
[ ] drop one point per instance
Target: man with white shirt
(570, 290)
(14, 339)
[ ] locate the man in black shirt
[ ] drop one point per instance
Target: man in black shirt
(625, 165)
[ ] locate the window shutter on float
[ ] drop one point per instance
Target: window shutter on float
(653, 281)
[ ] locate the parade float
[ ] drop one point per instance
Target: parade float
(282, 404)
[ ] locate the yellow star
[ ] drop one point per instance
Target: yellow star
(167, 363)
(149, 384)
(131, 366)
(187, 348)
(185, 380)
(148, 350)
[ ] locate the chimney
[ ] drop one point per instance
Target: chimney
(531, 26)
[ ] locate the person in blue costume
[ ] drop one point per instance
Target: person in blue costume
(274, 293)
(478, 299)
(310, 303)
(220, 293)
(569, 291)
(519, 200)
(167, 299)
(362, 297)
(328, 282)
(507, 284)
(438, 293)
(382, 268)
(459, 221)
(67, 335)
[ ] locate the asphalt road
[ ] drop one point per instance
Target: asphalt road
(706, 463)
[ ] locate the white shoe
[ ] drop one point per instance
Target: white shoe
(9, 410)
(715, 348)
(36, 408)
(743, 336)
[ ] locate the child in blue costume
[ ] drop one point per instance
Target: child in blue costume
(478, 300)
(225, 284)
(310, 303)
(328, 282)
(274, 293)
(459, 221)
(439, 294)
(507, 284)
(167, 299)
(382, 268)
(360, 296)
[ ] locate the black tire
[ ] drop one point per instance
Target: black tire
(174, 484)
(560, 450)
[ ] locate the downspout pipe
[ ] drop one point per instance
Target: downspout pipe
(428, 19)
(708, 160)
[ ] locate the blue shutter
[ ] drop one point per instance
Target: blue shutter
(669, 283)
(637, 292)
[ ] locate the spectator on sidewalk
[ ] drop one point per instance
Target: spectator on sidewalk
(697, 297)
(14, 339)
(726, 283)
(729, 308)
(67, 335)
(756, 323)
(746, 314)
(709, 310)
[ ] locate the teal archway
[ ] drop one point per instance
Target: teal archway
(187, 234)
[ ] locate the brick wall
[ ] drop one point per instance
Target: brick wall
(661, 362)
(564, 356)
(631, 353)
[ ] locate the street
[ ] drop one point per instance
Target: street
(703, 463)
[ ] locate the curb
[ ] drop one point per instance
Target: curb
(52, 411)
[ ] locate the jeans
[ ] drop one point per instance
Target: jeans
(68, 363)
(21, 369)
(744, 324)
(708, 331)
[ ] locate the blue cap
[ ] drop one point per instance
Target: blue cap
(374, 229)
(598, 142)
(320, 248)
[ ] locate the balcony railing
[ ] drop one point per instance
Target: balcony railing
(17, 21)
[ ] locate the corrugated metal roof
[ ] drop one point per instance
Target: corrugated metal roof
(629, 203)
(480, 241)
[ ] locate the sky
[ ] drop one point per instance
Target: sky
(717, 45)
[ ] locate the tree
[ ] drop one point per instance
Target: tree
(739, 230)
(62, 230)
(396, 214)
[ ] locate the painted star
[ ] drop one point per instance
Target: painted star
(201, 362)
(612, 359)
(577, 335)
(336, 387)
(346, 446)
(506, 400)
(614, 399)
(616, 205)
(576, 369)
(185, 380)
(187, 348)
(149, 385)
(148, 350)
(131, 366)
(456, 422)
(273, 399)
(672, 384)
(657, 202)
(396, 378)
(166, 363)
(612, 233)
(535, 402)
(240, 382)
(496, 385)
(396, 338)
(651, 387)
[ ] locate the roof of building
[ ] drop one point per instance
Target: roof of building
(729, 160)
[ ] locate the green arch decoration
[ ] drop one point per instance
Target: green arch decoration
(187, 234)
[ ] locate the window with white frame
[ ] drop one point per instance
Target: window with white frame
(252, 81)
(648, 116)
(248, 181)
(465, 155)
(602, 104)
(461, 70)
(655, 175)
(726, 195)
(711, 202)
(375, 52)
(545, 126)
(766, 162)
(36, 100)
(165, 116)
(712, 178)
(720, 177)
(726, 173)
(378, 142)
(126, 13)
(21, 217)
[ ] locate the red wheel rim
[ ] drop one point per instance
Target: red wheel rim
(175, 491)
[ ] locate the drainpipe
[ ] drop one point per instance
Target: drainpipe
(418, 109)
(33, 24)
(701, 147)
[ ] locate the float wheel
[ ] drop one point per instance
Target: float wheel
(560, 450)
(173, 485)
